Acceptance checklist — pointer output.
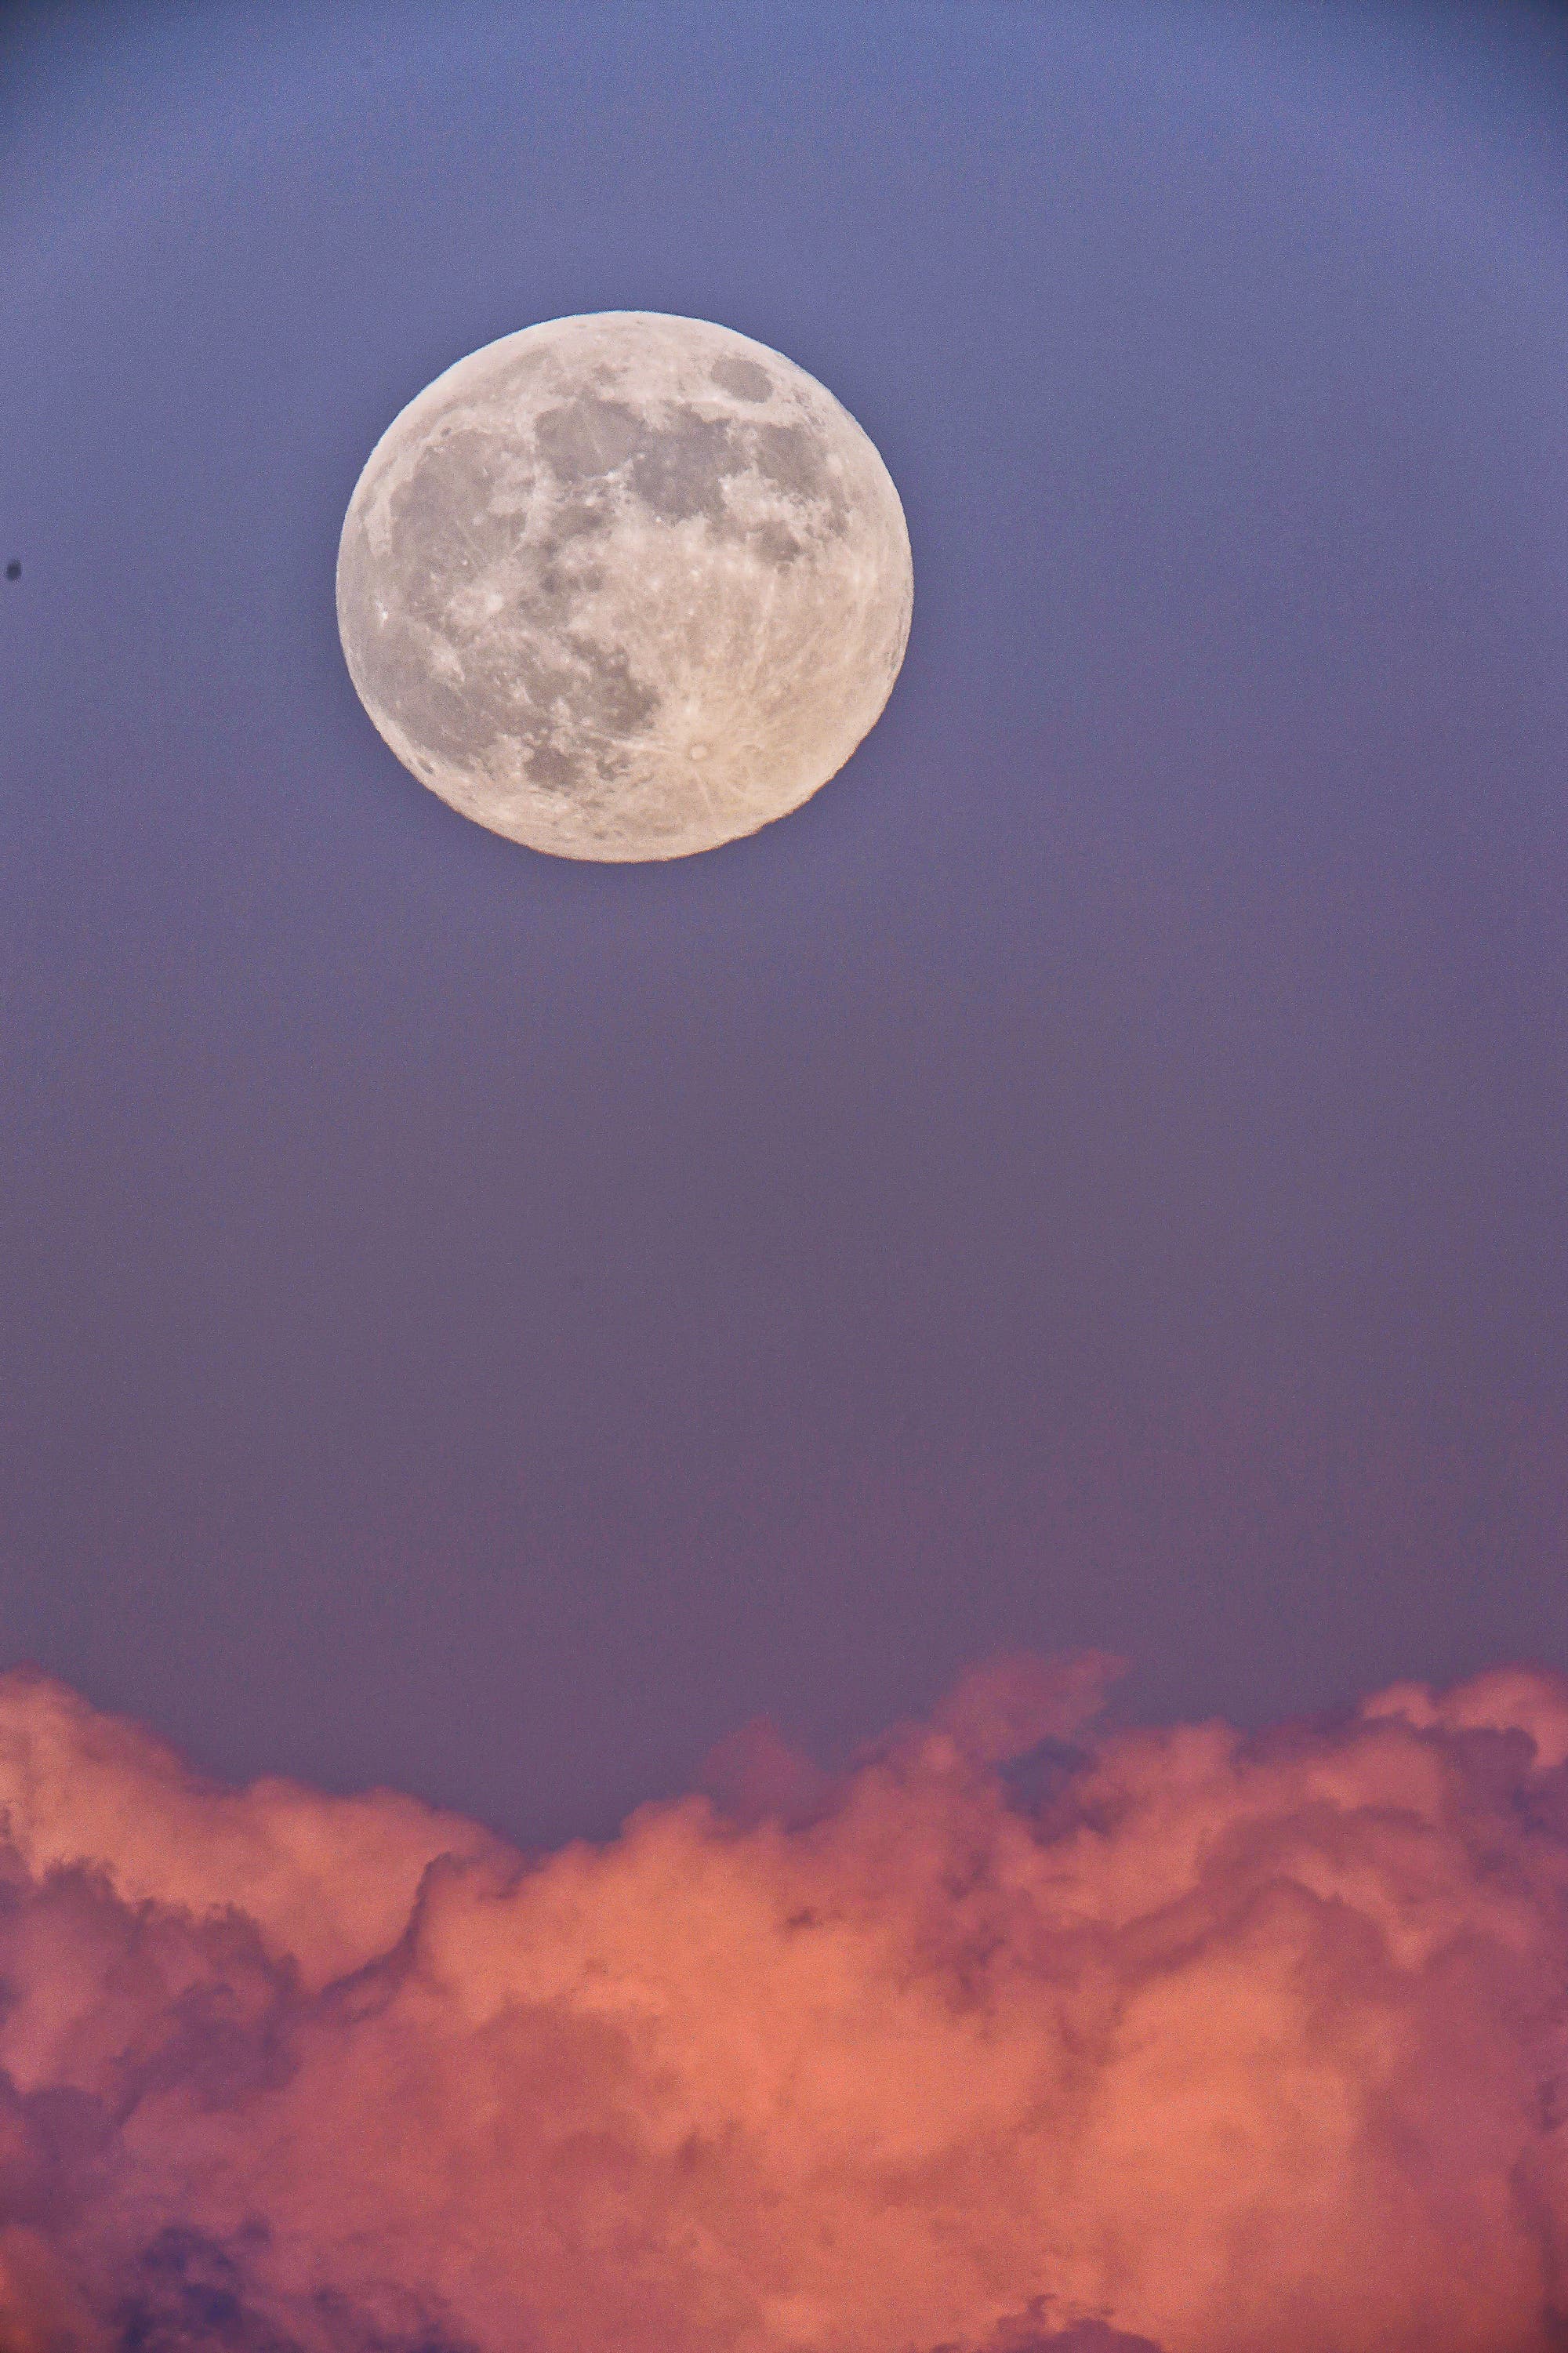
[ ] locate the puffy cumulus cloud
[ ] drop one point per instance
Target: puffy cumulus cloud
(1014, 2039)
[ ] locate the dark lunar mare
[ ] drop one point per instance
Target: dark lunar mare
(678, 466)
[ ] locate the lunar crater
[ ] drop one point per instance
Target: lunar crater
(608, 553)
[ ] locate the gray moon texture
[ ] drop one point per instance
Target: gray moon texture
(623, 585)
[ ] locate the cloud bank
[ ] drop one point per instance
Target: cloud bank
(1014, 2039)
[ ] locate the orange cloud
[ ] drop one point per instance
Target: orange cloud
(1224, 2044)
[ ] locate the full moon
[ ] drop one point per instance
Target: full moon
(623, 585)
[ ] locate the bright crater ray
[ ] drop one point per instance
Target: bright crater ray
(623, 585)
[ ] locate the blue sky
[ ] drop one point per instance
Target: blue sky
(1093, 1177)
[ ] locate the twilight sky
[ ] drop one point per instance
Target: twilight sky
(1095, 1178)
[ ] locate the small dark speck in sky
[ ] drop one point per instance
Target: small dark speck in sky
(12, 570)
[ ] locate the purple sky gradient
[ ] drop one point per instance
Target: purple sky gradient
(1096, 1177)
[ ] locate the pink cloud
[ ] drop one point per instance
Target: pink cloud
(1238, 2044)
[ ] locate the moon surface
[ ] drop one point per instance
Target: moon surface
(623, 585)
